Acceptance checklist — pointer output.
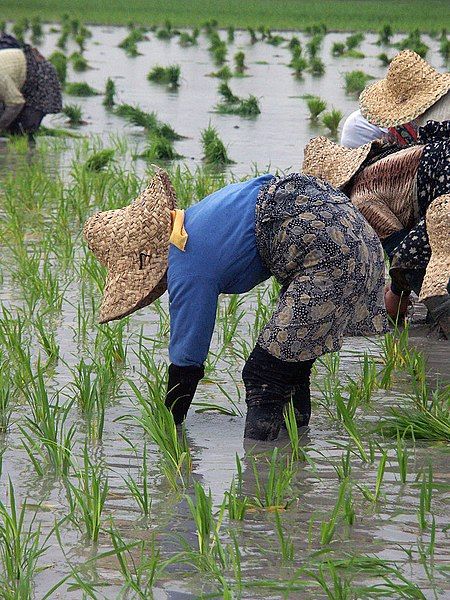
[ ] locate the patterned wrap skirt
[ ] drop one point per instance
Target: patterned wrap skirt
(42, 89)
(329, 262)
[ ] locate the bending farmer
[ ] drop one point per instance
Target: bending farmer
(302, 231)
(29, 87)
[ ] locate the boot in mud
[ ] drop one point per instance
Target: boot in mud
(263, 421)
(301, 400)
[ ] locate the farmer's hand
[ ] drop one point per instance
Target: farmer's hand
(396, 306)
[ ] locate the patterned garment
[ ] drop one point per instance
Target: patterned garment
(42, 90)
(329, 262)
(433, 180)
(385, 192)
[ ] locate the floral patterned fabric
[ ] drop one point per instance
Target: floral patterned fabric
(329, 261)
(433, 180)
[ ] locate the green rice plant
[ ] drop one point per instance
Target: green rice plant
(294, 42)
(6, 396)
(110, 92)
(157, 421)
(36, 29)
(80, 88)
(354, 40)
(375, 495)
(214, 150)
(166, 32)
(444, 48)
(401, 452)
(239, 62)
(385, 34)
(129, 44)
(327, 528)
(299, 65)
(316, 66)
(313, 45)
(159, 148)
(2, 26)
(59, 61)
(344, 468)
(226, 93)
(98, 161)
(187, 39)
(285, 541)
(169, 76)
(384, 59)
(274, 493)
(87, 497)
(230, 34)
(141, 492)
(19, 29)
(275, 40)
(149, 121)
(292, 429)
(61, 43)
(394, 347)
(356, 81)
(201, 510)
(413, 41)
(338, 49)
(426, 494)
(74, 114)
(234, 502)
(224, 73)
(21, 548)
(367, 383)
(79, 63)
(46, 338)
(48, 442)
(331, 120)
(252, 34)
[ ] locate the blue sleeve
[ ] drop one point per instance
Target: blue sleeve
(192, 308)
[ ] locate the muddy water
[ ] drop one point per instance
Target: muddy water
(386, 530)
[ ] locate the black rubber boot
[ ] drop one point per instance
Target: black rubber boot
(263, 422)
(301, 399)
(181, 388)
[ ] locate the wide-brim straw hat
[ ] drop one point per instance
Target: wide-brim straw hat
(333, 163)
(410, 88)
(437, 273)
(133, 244)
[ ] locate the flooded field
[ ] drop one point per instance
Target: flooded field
(109, 501)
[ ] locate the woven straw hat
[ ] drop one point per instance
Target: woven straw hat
(411, 87)
(334, 163)
(133, 243)
(437, 274)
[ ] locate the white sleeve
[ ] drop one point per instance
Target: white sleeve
(358, 131)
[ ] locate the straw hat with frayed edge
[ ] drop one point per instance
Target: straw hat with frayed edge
(411, 87)
(133, 244)
(437, 273)
(333, 163)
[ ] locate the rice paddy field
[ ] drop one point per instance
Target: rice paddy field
(100, 495)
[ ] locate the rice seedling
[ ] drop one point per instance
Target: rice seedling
(6, 396)
(233, 105)
(166, 32)
(129, 44)
(220, 53)
(298, 64)
(414, 42)
(375, 495)
(316, 66)
(36, 30)
(79, 63)
(98, 161)
(274, 494)
(401, 451)
(207, 527)
(328, 528)
(214, 150)
(313, 45)
(19, 29)
(226, 93)
(252, 34)
(230, 34)
(234, 502)
(363, 388)
(338, 49)
(80, 88)
(110, 92)
(87, 497)
(331, 120)
(157, 421)
(74, 114)
(169, 76)
(239, 62)
(46, 338)
(159, 148)
(224, 73)
(356, 81)
(354, 40)
(385, 34)
(21, 548)
(426, 494)
(149, 121)
(59, 61)
(286, 544)
(141, 492)
(384, 59)
(444, 48)
(275, 40)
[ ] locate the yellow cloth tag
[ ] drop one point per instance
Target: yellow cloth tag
(178, 237)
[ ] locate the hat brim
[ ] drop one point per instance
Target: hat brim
(332, 162)
(381, 108)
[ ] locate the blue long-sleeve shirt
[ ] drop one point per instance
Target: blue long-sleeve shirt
(220, 258)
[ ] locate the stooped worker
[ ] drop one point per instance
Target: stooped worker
(395, 107)
(29, 87)
(299, 229)
(393, 187)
